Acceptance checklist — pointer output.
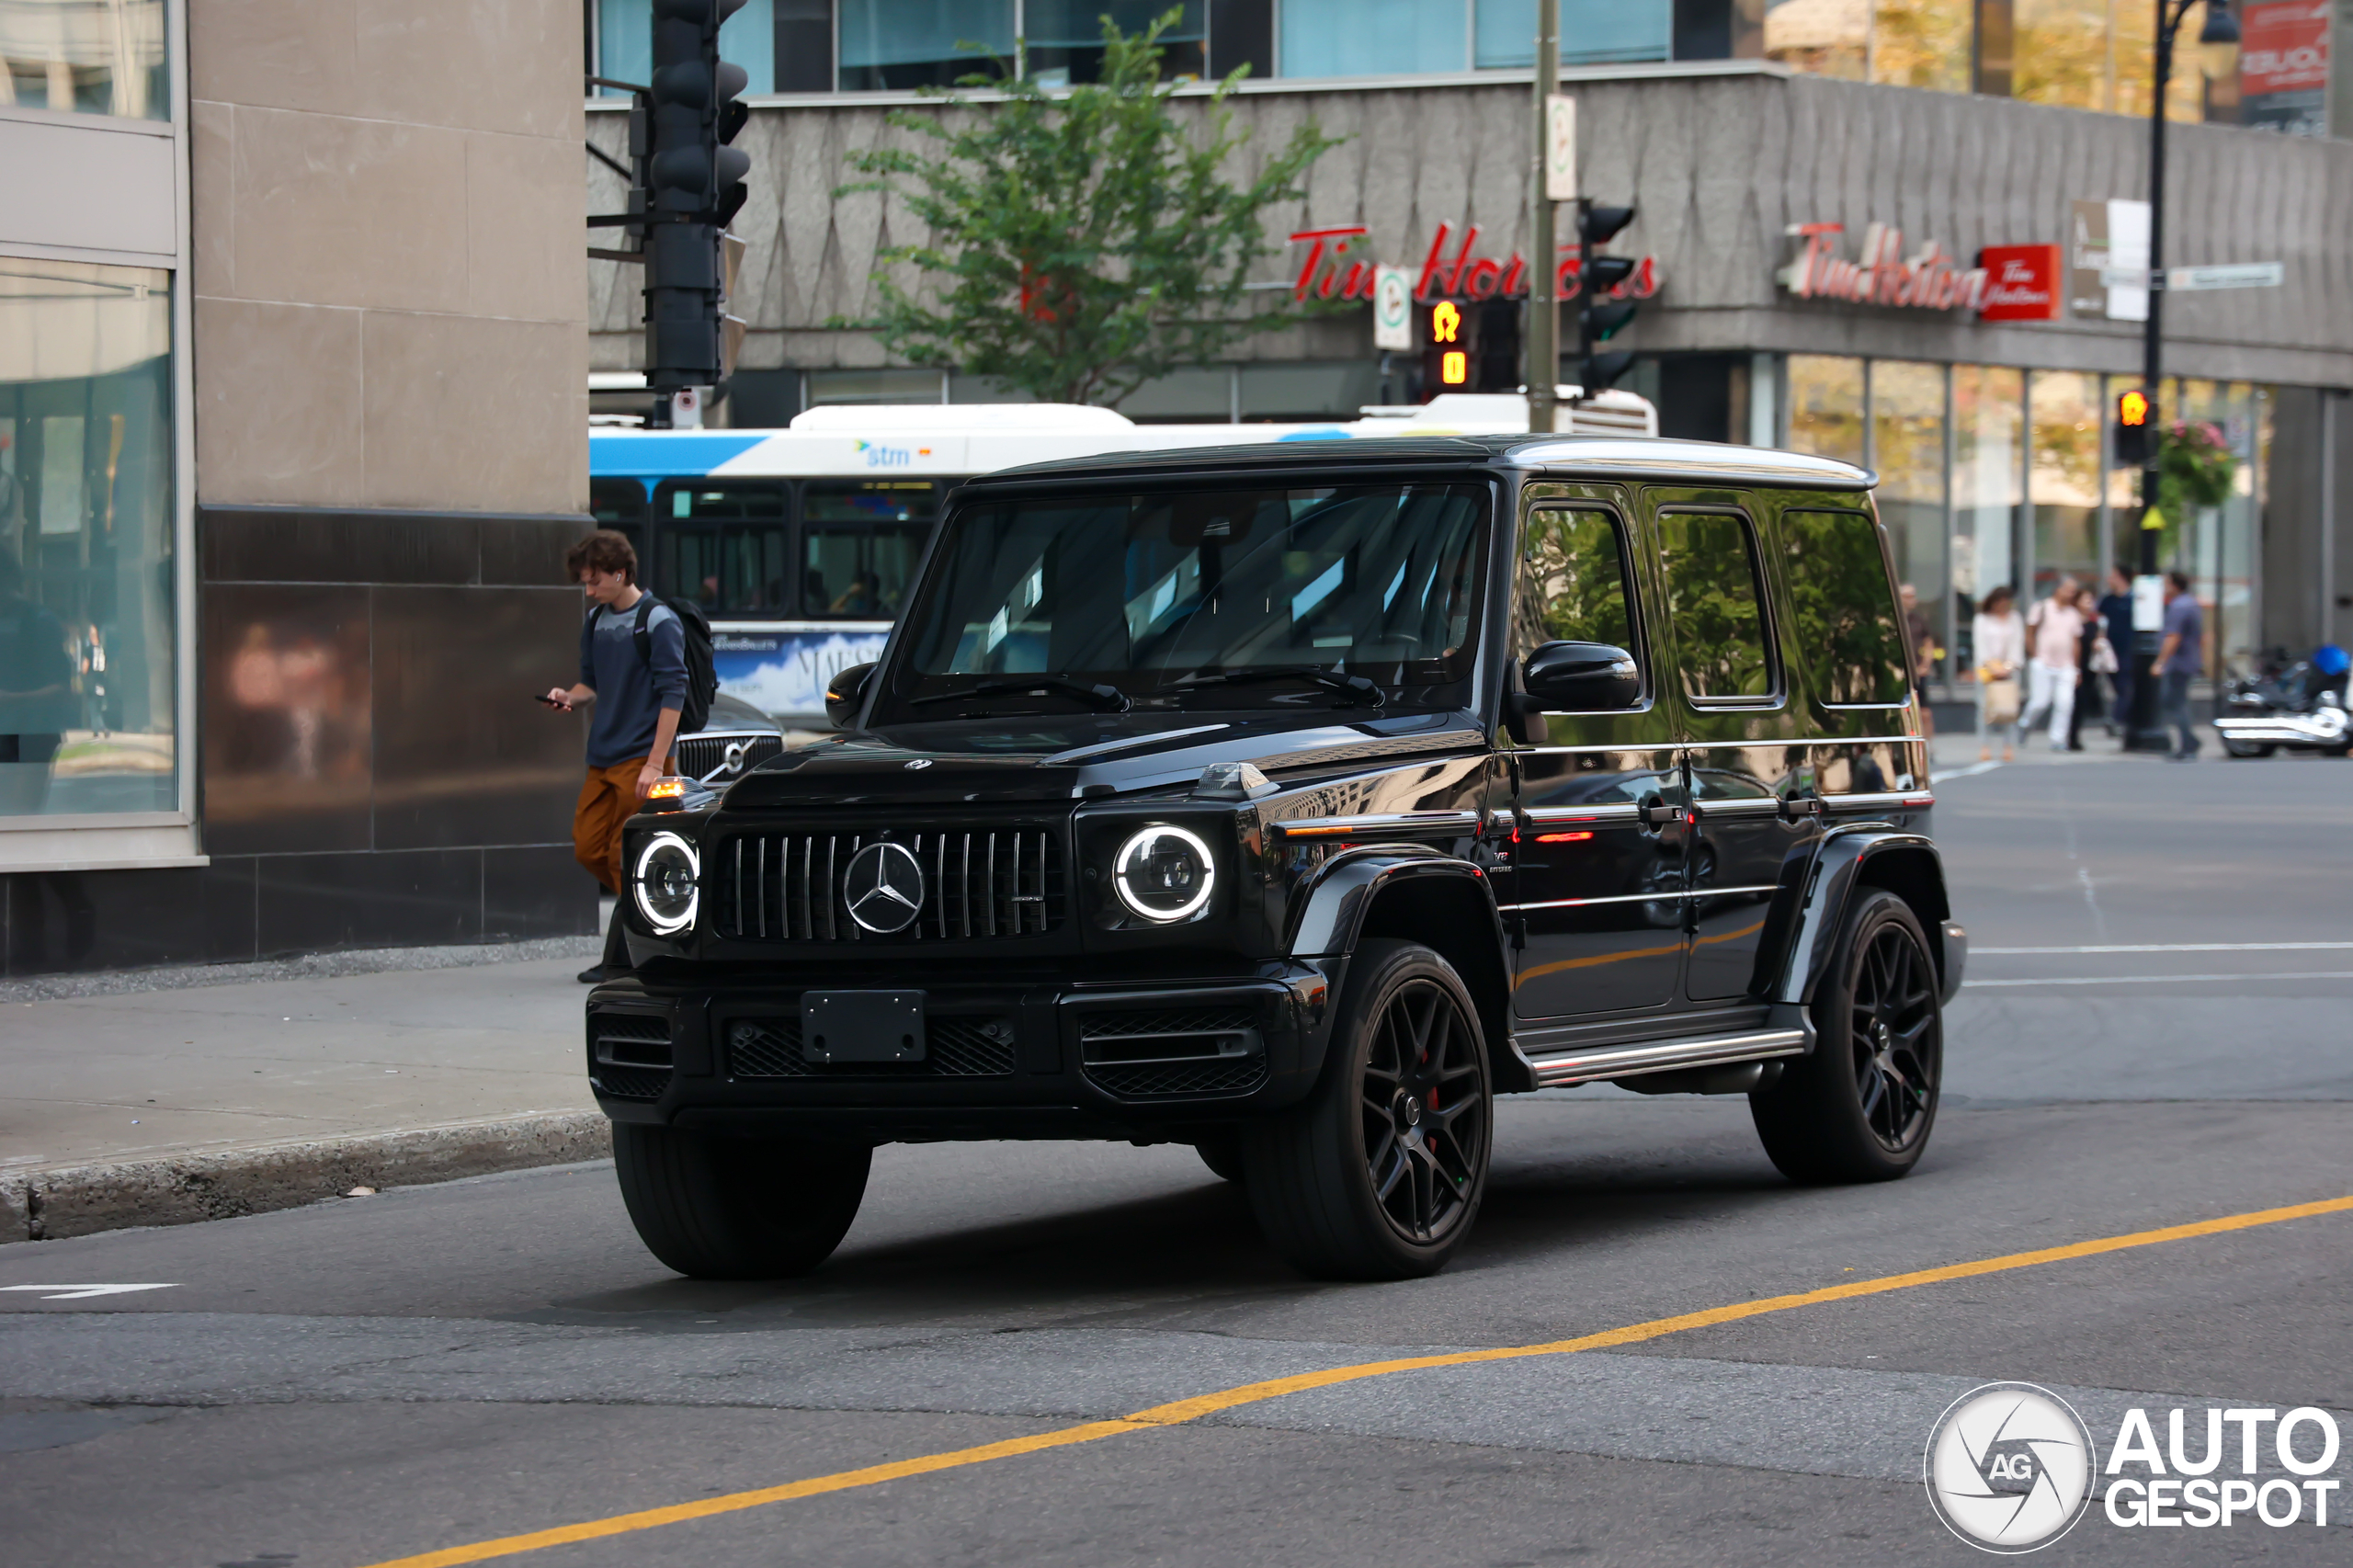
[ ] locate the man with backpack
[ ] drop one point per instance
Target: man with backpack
(637, 664)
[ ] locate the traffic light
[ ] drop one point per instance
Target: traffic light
(1599, 317)
(696, 185)
(2133, 417)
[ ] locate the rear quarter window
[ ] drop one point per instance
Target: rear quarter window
(1845, 634)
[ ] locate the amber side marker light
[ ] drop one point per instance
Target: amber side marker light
(666, 789)
(1578, 838)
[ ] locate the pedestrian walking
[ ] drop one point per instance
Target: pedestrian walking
(2055, 627)
(1924, 655)
(1998, 639)
(2116, 620)
(2093, 660)
(634, 667)
(2180, 655)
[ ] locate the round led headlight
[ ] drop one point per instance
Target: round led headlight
(667, 882)
(1164, 874)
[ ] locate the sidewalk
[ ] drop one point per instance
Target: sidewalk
(172, 1096)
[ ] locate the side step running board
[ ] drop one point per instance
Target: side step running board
(1665, 1056)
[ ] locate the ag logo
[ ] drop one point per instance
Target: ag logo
(883, 888)
(2010, 1467)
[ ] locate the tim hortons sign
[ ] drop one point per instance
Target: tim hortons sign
(1331, 268)
(1928, 279)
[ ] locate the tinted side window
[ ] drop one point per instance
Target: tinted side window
(1572, 582)
(1715, 599)
(860, 542)
(1845, 628)
(724, 546)
(619, 504)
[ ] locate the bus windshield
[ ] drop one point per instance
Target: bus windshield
(1202, 597)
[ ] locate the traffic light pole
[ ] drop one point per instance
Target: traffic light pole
(2144, 725)
(1544, 304)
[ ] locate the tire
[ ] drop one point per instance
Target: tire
(716, 1208)
(1369, 1179)
(1861, 1106)
(1223, 1154)
(2249, 748)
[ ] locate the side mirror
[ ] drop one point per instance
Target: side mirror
(1582, 677)
(846, 692)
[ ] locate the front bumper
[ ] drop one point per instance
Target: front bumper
(2322, 727)
(1112, 1058)
(1956, 959)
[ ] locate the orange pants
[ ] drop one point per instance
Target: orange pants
(608, 799)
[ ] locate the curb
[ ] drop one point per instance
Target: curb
(82, 1200)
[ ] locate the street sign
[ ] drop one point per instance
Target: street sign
(1392, 307)
(1560, 148)
(2195, 280)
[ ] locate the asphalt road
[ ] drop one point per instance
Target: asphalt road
(380, 1377)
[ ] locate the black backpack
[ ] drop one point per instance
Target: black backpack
(702, 672)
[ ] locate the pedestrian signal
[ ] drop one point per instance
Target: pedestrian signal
(2132, 421)
(1454, 368)
(1446, 325)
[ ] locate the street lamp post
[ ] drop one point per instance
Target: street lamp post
(2145, 730)
(1543, 309)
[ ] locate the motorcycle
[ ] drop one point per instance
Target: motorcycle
(2299, 706)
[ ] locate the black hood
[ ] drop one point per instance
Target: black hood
(1060, 758)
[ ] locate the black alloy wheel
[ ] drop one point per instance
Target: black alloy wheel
(1892, 1028)
(1861, 1106)
(1379, 1175)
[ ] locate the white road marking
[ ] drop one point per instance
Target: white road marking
(2180, 947)
(82, 1292)
(1972, 771)
(2160, 979)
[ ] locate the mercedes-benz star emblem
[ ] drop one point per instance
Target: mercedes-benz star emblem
(883, 888)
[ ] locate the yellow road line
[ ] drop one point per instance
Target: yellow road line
(1177, 1411)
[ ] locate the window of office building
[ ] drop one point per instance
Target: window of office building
(89, 676)
(1374, 37)
(625, 40)
(1063, 39)
(1593, 32)
(1908, 450)
(1921, 43)
(85, 57)
(1828, 37)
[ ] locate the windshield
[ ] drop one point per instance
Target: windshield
(1196, 598)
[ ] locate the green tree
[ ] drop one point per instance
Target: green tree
(1081, 241)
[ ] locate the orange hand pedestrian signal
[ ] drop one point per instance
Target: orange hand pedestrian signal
(1446, 322)
(2132, 418)
(1454, 368)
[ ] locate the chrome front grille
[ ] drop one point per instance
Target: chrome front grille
(979, 884)
(701, 755)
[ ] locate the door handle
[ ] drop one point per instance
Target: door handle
(1797, 807)
(1658, 813)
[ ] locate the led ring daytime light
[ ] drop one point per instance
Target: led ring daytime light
(1164, 874)
(667, 885)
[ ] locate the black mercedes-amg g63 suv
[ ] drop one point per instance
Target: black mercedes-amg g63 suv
(1293, 801)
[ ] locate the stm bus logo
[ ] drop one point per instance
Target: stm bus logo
(2010, 1467)
(876, 455)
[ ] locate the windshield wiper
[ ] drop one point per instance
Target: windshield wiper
(1360, 690)
(1102, 698)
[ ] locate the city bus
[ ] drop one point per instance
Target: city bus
(798, 543)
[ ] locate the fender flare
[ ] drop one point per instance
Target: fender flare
(1831, 884)
(1332, 905)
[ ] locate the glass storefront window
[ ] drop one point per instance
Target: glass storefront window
(1908, 450)
(2066, 53)
(2216, 544)
(1593, 32)
(1988, 419)
(1374, 37)
(2064, 479)
(85, 57)
(1827, 406)
(87, 625)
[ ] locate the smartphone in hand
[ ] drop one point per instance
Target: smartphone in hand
(543, 697)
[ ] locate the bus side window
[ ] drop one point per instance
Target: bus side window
(724, 545)
(860, 542)
(619, 504)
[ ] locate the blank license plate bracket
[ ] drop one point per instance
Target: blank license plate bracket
(861, 1026)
